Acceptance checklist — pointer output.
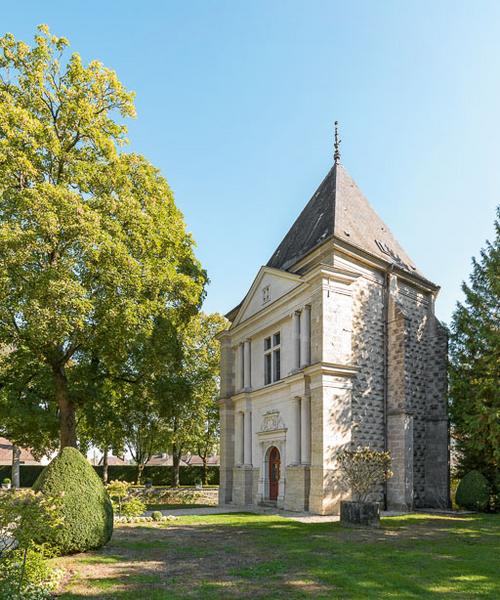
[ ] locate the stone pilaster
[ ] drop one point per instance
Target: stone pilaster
(247, 437)
(437, 471)
(294, 441)
(331, 424)
(400, 488)
(305, 430)
(400, 445)
(296, 340)
(298, 483)
(226, 451)
(243, 487)
(305, 336)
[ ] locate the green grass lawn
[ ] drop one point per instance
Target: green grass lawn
(271, 557)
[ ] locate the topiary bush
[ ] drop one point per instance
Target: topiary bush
(86, 508)
(473, 492)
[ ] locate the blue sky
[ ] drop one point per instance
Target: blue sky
(236, 102)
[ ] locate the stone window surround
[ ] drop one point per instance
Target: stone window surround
(274, 351)
(266, 294)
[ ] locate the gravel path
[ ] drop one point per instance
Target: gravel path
(261, 510)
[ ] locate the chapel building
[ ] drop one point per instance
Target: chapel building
(335, 345)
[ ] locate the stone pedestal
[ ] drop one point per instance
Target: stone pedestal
(298, 482)
(365, 514)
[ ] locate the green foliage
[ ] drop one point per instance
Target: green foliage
(133, 507)
(190, 407)
(363, 469)
(118, 491)
(157, 515)
(473, 492)
(39, 578)
(86, 508)
(475, 366)
(96, 266)
(6, 480)
(25, 515)
(159, 475)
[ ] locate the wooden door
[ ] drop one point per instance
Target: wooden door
(274, 473)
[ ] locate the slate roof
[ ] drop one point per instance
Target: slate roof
(339, 209)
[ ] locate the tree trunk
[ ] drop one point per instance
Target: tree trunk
(204, 470)
(67, 416)
(105, 466)
(16, 461)
(176, 460)
(140, 469)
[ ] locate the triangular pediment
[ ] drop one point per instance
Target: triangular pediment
(269, 285)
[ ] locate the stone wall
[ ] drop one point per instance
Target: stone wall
(368, 357)
(416, 386)
(297, 488)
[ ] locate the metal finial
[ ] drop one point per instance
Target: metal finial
(336, 154)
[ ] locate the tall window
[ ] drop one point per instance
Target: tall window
(272, 358)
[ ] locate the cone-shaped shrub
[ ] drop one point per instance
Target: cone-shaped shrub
(86, 508)
(473, 491)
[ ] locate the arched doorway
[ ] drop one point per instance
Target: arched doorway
(274, 473)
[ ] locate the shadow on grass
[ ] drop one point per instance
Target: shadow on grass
(267, 557)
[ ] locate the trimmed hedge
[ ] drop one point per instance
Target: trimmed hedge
(28, 473)
(86, 507)
(473, 491)
(159, 475)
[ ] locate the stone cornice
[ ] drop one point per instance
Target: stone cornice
(288, 381)
(325, 271)
(334, 369)
(382, 265)
(269, 310)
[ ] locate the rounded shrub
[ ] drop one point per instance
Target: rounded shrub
(133, 508)
(157, 515)
(86, 508)
(473, 492)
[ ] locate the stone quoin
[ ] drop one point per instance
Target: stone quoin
(335, 345)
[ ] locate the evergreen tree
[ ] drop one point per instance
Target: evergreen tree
(475, 365)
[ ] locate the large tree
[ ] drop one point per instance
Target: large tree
(475, 365)
(93, 251)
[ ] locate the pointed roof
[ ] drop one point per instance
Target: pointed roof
(339, 209)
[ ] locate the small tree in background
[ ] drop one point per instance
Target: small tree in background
(118, 492)
(363, 469)
(475, 366)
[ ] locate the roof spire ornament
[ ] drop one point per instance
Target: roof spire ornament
(336, 154)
